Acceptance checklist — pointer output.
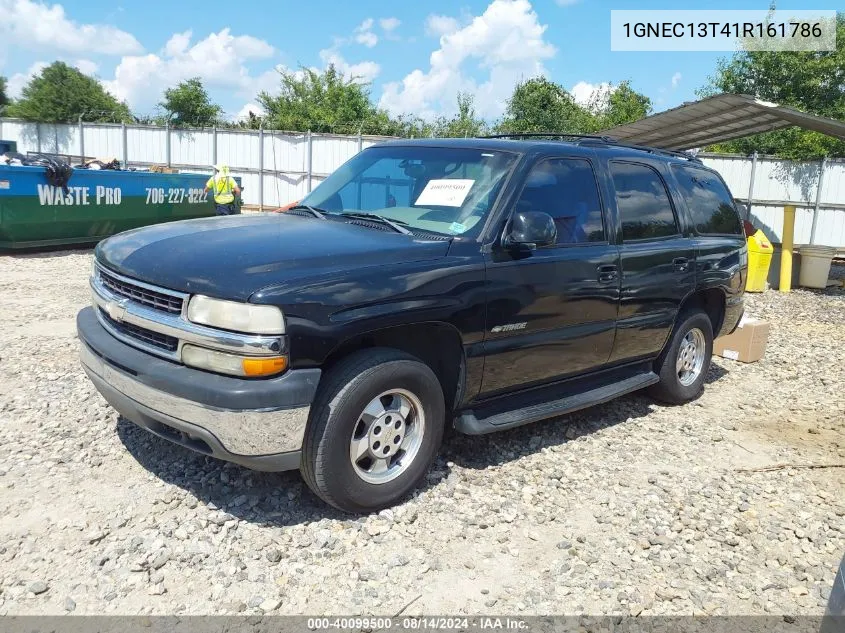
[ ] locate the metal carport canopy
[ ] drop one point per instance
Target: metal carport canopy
(719, 118)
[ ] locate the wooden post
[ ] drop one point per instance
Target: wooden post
(787, 243)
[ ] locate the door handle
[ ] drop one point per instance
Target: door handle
(681, 264)
(607, 273)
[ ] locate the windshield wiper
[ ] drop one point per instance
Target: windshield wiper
(317, 213)
(393, 224)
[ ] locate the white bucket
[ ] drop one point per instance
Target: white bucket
(815, 265)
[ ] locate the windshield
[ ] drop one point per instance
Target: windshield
(443, 190)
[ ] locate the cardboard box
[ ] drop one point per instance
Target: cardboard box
(747, 343)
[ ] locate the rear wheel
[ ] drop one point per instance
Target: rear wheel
(376, 427)
(684, 363)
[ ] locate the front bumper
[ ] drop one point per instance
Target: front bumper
(259, 423)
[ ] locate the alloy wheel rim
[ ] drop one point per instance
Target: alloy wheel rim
(387, 436)
(691, 357)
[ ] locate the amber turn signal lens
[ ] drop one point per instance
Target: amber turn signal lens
(264, 366)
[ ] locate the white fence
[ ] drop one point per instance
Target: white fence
(275, 167)
(768, 184)
(280, 167)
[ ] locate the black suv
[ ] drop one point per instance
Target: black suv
(484, 283)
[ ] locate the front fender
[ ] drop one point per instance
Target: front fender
(324, 312)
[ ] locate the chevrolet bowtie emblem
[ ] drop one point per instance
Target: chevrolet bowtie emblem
(116, 310)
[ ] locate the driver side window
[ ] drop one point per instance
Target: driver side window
(566, 189)
(382, 185)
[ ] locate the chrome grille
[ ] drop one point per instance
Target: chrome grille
(143, 295)
(156, 339)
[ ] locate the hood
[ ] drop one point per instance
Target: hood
(232, 257)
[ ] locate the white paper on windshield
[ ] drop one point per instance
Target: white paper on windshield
(445, 193)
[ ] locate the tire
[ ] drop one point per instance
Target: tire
(677, 384)
(409, 417)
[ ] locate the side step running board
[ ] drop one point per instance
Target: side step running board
(468, 423)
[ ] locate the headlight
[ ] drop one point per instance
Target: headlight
(221, 362)
(235, 316)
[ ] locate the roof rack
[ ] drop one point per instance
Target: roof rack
(519, 135)
(597, 139)
(653, 150)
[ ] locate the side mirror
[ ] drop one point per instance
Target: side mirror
(530, 229)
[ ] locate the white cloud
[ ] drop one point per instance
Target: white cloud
(587, 94)
(389, 24)
(368, 39)
(438, 25)
(16, 82)
(364, 34)
(362, 72)
(268, 81)
(676, 79)
(38, 26)
(178, 43)
(243, 113)
(218, 60)
(87, 67)
(506, 42)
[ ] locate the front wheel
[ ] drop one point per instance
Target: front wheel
(376, 427)
(683, 365)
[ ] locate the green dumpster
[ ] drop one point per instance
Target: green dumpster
(94, 205)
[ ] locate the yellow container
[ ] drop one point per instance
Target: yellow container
(759, 258)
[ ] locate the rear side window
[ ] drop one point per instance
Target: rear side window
(643, 202)
(710, 204)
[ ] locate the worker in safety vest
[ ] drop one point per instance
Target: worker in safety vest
(225, 189)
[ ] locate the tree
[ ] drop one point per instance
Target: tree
(188, 105)
(323, 102)
(61, 94)
(615, 106)
(4, 100)
(808, 81)
(252, 120)
(464, 123)
(408, 126)
(540, 105)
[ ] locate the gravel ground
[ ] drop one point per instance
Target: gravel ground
(629, 507)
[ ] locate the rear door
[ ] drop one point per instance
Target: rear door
(551, 312)
(657, 259)
(719, 235)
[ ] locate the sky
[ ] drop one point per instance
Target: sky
(416, 56)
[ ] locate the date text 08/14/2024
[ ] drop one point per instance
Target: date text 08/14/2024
(414, 623)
